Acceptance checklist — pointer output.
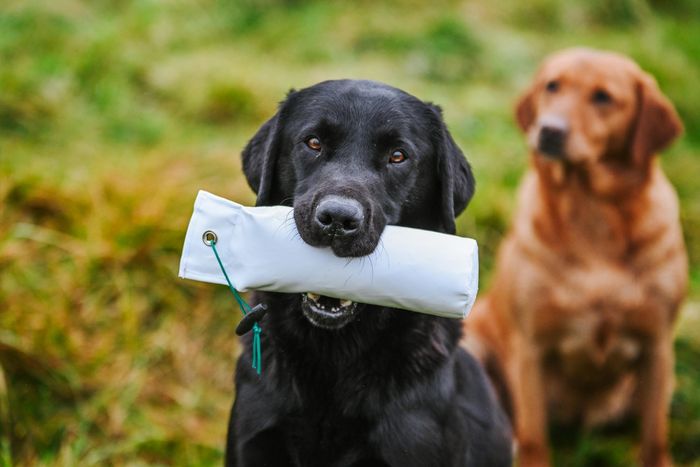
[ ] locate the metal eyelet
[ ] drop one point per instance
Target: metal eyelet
(209, 237)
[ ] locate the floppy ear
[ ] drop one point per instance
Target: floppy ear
(456, 178)
(525, 109)
(657, 122)
(259, 160)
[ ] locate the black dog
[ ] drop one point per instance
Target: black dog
(343, 383)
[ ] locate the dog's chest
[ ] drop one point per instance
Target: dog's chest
(325, 440)
(594, 320)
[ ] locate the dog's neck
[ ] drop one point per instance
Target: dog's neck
(323, 359)
(606, 181)
(593, 208)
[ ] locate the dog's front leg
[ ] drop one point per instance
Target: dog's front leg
(255, 435)
(525, 380)
(264, 449)
(248, 447)
(655, 390)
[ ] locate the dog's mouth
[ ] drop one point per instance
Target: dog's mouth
(326, 312)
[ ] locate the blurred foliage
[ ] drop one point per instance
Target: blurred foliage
(114, 112)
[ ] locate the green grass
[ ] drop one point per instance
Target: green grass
(113, 114)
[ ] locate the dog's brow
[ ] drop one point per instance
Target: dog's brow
(327, 123)
(387, 132)
(322, 126)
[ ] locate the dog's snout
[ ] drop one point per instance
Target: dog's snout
(552, 136)
(551, 140)
(339, 216)
(348, 223)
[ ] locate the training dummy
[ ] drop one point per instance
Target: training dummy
(260, 248)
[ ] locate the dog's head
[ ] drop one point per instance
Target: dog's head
(587, 106)
(352, 157)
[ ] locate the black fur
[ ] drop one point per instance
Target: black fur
(390, 388)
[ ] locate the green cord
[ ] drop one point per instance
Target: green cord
(245, 308)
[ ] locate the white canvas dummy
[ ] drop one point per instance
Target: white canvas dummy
(411, 269)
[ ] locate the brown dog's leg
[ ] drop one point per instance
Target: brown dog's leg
(656, 387)
(525, 381)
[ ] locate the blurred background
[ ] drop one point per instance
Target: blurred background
(114, 113)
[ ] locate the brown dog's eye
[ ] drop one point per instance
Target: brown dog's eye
(552, 86)
(601, 97)
(397, 157)
(313, 143)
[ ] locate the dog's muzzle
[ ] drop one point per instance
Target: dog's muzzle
(338, 216)
(344, 222)
(551, 140)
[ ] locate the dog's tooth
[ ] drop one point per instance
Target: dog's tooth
(345, 302)
(313, 296)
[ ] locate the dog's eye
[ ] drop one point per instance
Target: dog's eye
(397, 157)
(313, 143)
(552, 86)
(601, 97)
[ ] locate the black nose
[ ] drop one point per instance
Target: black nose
(338, 216)
(551, 140)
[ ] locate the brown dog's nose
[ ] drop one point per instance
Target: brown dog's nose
(552, 137)
(339, 216)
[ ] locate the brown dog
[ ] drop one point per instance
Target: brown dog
(578, 324)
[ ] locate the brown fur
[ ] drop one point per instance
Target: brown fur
(577, 325)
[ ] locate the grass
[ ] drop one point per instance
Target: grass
(112, 115)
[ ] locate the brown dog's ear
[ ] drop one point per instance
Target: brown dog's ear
(657, 123)
(525, 109)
